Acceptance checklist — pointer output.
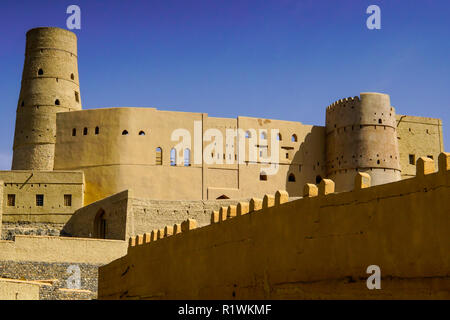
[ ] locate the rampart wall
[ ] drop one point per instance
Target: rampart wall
(316, 247)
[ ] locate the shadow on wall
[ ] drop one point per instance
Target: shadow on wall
(308, 163)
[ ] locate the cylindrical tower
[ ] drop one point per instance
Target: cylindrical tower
(362, 137)
(49, 85)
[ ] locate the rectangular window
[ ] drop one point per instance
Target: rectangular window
(11, 200)
(40, 200)
(68, 200)
(412, 159)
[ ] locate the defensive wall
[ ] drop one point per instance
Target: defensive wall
(130, 148)
(52, 261)
(124, 215)
(125, 148)
(319, 246)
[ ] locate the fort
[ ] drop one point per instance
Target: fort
(104, 188)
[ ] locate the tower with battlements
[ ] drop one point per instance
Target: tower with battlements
(361, 136)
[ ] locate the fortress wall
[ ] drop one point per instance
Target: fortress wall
(419, 137)
(116, 209)
(61, 250)
(19, 290)
(113, 162)
(148, 215)
(53, 185)
(127, 215)
(316, 247)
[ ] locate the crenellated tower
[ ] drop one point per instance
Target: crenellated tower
(50, 85)
(362, 137)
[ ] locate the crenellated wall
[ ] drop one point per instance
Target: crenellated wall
(316, 247)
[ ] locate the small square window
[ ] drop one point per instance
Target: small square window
(40, 200)
(11, 200)
(68, 200)
(412, 159)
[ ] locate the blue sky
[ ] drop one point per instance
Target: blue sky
(281, 59)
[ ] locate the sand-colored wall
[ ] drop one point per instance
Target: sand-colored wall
(19, 290)
(420, 137)
(127, 215)
(61, 249)
(316, 247)
(25, 185)
(113, 162)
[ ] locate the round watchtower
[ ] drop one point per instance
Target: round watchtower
(362, 137)
(49, 85)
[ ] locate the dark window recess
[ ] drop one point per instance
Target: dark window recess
(40, 200)
(11, 200)
(74, 132)
(68, 200)
(412, 159)
(291, 178)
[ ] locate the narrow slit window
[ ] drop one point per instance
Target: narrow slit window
(11, 200)
(68, 200)
(412, 159)
(97, 130)
(158, 156)
(39, 200)
(74, 132)
(77, 96)
(85, 131)
(173, 157)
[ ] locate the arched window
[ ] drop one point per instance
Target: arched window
(100, 225)
(318, 179)
(74, 132)
(294, 138)
(173, 157)
(248, 134)
(97, 130)
(85, 131)
(263, 176)
(222, 197)
(72, 76)
(187, 157)
(279, 137)
(291, 178)
(57, 103)
(124, 132)
(263, 135)
(158, 156)
(40, 72)
(141, 133)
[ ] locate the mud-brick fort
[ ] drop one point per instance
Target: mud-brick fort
(99, 201)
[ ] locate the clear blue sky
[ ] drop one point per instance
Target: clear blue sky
(281, 59)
